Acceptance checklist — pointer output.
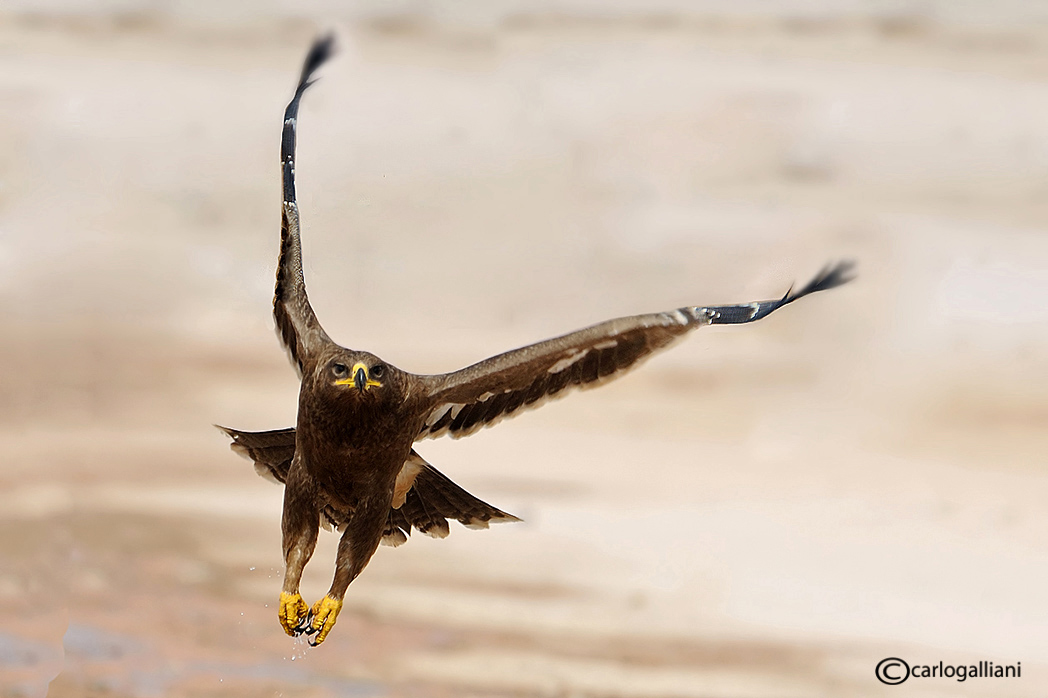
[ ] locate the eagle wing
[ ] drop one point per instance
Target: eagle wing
(297, 324)
(485, 393)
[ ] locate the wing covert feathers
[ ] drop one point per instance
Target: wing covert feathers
(297, 325)
(485, 393)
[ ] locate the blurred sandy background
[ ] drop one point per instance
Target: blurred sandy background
(765, 511)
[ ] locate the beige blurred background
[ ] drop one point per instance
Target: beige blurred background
(765, 511)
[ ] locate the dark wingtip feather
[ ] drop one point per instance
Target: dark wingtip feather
(321, 50)
(831, 276)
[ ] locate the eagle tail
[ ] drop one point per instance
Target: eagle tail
(270, 451)
(432, 501)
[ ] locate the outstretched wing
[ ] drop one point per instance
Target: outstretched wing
(297, 325)
(487, 392)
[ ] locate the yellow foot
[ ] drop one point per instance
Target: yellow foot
(292, 610)
(325, 612)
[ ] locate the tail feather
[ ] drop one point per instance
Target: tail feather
(431, 502)
(397, 529)
(423, 515)
(271, 451)
(453, 502)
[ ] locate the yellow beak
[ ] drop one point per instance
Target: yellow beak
(359, 377)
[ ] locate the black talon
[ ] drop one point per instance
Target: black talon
(305, 626)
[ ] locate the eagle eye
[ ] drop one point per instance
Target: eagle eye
(339, 369)
(378, 370)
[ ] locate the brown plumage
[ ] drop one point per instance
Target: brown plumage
(350, 462)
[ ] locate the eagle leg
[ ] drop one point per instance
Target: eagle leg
(300, 524)
(358, 543)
